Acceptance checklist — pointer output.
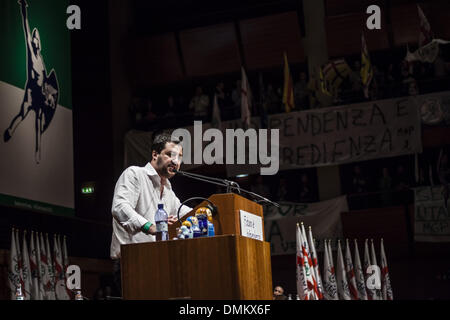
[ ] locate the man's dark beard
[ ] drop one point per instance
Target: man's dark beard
(163, 171)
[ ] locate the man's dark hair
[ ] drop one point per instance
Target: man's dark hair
(159, 143)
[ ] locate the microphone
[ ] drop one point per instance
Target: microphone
(230, 185)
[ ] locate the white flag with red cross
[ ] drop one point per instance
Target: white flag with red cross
(359, 275)
(302, 287)
(315, 262)
(385, 279)
(341, 276)
(35, 294)
(26, 271)
(350, 272)
(14, 269)
(425, 33)
(329, 278)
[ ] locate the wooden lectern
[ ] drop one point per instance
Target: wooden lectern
(228, 266)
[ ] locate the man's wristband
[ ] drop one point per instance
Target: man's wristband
(146, 227)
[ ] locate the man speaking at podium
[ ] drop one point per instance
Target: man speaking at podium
(137, 194)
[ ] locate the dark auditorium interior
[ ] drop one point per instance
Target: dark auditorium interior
(137, 64)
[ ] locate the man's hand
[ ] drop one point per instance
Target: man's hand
(152, 230)
(171, 220)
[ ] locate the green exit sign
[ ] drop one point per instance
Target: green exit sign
(87, 190)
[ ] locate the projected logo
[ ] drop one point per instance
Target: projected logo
(41, 89)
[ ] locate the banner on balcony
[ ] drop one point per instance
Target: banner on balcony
(324, 218)
(431, 215)
(321, 137)
(352, 133)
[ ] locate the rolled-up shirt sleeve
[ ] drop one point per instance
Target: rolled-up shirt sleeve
(126, 194)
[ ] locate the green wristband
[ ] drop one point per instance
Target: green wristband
(146, 227)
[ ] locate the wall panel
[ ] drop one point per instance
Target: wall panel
(155, 60)
(266, 38)
(344, 35)
(210, 50)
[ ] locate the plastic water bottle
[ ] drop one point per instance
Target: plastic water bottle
(211, 231)
(78, 295)
(162, 227)
(19, 295)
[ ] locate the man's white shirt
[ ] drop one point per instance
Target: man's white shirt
(135, 202)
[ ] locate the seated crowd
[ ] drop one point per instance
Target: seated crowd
(178, 107)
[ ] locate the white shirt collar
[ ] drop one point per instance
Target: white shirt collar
(154, 175)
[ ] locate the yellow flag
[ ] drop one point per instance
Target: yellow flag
(366, 67)
(288, 91)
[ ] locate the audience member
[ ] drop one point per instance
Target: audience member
(305, 189)
(278, 293)
(136, 111)
(142, 112)
(313, 89)
(359, 183)
(301, 93)
(236, 94)
(282, 190)
(444, 175)
(390, 82)
(385, 187)
(200, 104)
(355, 79)
(273, 100)
(409, 84)
(440, 66)
(225, 113)
(171, 108)
(402, 184)
(401, 181)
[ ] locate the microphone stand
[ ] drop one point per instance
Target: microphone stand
(230, 185)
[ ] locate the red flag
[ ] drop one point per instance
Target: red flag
(20, 262)
(302, 287)
(34, 270)
(359, 274)
(245, 100)
(60, 279)
(40, 269)
(374, 262)
(309, 264)
(50, 269)
(366, 67)
(329, 279)
(350, 273)
(385, 279)
(425, 34)
(315, 264)
(341, 276)
(26, 268)
(45, 264)
(288, 91)
(13, 266)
